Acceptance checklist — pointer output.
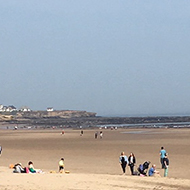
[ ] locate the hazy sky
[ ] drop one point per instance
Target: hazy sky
(112, 57)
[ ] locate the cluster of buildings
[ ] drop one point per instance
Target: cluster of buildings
(12, 108)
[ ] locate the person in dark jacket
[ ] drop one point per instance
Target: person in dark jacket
(166, 165)
(132, 161)
(18, 168)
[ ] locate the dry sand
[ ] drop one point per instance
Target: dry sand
(93, 163)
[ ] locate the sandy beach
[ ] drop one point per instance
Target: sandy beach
(93, 163)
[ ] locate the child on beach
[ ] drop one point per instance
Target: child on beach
(61, 165)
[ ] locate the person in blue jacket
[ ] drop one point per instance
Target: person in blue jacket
(162, 155)
(123, 161)
(152, 171)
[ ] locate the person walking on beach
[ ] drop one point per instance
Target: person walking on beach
(61, 165)
(62, 132)
(123, 161)
(162, 155)
(101, 134)
(132, 161)
(166, 165)
(96, 135)
(81, 133)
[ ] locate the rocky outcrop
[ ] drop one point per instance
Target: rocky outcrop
(69, 118)
(6, 117)
(55, 114)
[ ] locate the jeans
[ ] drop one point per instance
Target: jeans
(162, 162)
(165, 171)
(131, 168)
(123, 165)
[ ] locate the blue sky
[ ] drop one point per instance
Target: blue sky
(110, 57)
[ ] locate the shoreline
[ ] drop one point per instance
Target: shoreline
(181, 125)
(97, 121)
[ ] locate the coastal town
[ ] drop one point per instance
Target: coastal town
(11, 108)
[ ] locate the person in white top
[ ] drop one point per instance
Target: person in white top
(132, 161)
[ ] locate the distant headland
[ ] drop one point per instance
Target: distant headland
(75, 119)
(25, 114)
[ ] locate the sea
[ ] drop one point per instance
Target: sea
(149, 125)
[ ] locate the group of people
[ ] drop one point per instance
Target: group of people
(124, 161)
(131, 161)
(96, 135)
(18, 168)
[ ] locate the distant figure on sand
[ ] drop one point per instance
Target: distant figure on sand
(96, 135)
(81, 133)
(1, 150)
(162, 155)
(101, 134)
(61, 165)
(132, 161)
(123, 161)
(62, 132)
(152, 171)
(166, 165)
